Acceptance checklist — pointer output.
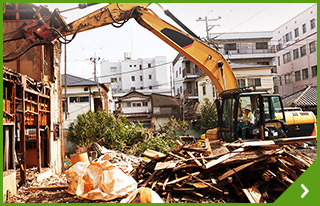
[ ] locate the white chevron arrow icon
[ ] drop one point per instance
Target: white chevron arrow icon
(305, 191)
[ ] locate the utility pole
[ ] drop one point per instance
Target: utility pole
(95, 60)
(209, 27)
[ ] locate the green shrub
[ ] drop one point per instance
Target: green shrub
(117, 134)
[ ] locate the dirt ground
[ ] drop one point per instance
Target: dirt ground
(61, 196)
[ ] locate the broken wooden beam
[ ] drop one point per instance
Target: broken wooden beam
(223, 158)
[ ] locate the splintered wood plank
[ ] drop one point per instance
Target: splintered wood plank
(235, 170)
(182, 178)
(198, 150)
(177, 156)
(199, 185)
(194, 159)
(254, 195)
(153, 154)
(287, 169)
(165, 165)
(213, 187)
(223, 158)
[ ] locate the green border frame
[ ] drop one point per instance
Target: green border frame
(292, 196)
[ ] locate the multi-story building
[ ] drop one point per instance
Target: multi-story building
(150, 110)
(147, 75)
(296, 57)
(246, 47)
(258, 76)
(184, 75)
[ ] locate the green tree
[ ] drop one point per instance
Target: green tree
(208, 118)
(117, 134)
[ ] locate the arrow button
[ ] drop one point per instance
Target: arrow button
(305, 191)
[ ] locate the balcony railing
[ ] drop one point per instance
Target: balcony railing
(252, 50)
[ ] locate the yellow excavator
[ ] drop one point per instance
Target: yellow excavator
(269, 123)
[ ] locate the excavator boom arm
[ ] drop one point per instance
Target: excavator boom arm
(206, 58)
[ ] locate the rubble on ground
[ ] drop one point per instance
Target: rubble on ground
(236, 172)
(222, 172)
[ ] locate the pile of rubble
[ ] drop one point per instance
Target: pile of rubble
(221, 172)
(236, 172)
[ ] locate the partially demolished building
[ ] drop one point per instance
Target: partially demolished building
(32, 118)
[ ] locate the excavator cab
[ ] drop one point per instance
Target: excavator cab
(267, 119)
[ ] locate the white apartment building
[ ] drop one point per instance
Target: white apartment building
(146, 75)
(246, 47)
(184, 75)
(296, 57)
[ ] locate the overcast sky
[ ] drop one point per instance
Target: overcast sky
(110, 43)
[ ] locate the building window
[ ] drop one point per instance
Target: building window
(127, 104)
(230, 47)
(113, 69)
(177, 91)
(188, 67)
(133, 78)
(288, 37)
(180, 89)
(119, 79)
(73, 99)
(261, 45)
(305, 74)
(149, 65)
(130, 65)
(150, 76)
(135, 65)
(304, 28)
(303, 51)
(141, 88)
(84, 99)
(241, 83)
(254, 82)
(312, 46)
(141, 78)
(145, 104)
(204, 92)
(287, 78)
(189, 87)
(313, 23)
(286, 58)
(113, 80)
(263, 63)
(314, 71)
(136, 104)
(280, 80)
(295, 54)
(177, 74)
(179, 70)
(279, 61)
(150, 87)
(86, 89)
(140, 67)
(297, 76)
(296, 32)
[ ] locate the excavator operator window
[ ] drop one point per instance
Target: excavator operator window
(228, 119)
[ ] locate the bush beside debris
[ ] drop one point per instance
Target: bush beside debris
(118, 134)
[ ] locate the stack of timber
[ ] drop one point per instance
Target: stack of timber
(254, 172)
